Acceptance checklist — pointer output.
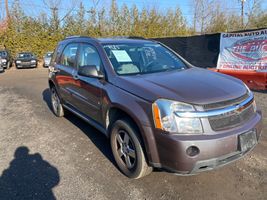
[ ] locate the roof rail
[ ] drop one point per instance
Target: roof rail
(136, 37)
(76, 36)
(128, 37)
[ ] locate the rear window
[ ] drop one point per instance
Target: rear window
(48, 55)
(25, 55)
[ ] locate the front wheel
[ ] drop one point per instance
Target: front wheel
(56, 103)
(127, 150)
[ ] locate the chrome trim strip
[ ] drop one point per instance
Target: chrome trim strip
(211, 113)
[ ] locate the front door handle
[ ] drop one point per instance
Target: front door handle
(75, 77)
(54, 70)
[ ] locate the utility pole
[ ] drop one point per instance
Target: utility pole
(7, 11)
(55, 18)
(242, 12)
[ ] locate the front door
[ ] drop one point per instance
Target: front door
(88, 91)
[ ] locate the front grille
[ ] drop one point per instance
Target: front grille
(231, 120)
(227, 103)
(25, 63)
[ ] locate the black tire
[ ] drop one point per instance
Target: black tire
(136, 165)
(56, 104)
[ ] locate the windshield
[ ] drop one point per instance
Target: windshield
(3, 53)
(142, 58)
(48, 55)
(25, 55)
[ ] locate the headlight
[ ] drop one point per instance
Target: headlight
(249, 91)
(254, 106)
(18, 61)
(165, 118)
(33, 61)
(3, 60)
(254, 102)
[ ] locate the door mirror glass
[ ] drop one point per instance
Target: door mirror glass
(71, 61)
(90, 71)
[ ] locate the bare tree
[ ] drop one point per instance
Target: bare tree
(203, 10)
(55, 6)
(253, 12)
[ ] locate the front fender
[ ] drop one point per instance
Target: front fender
(139, 110)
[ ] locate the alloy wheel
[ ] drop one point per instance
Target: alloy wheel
(126, 149)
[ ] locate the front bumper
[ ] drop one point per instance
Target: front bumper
(22, 65)
(215, 150)
(4, 65)
(1, 69)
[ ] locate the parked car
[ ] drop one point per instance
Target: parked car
(26, 60)
(6, 59)
(1, 67)
(157, 109)
(47, 59)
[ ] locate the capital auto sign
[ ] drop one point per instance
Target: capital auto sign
(243, 51)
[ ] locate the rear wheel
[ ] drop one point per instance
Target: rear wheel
(56, 103)
(127, 150)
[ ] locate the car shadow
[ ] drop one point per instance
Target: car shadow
(99, 139)
(28, 177)
(260, 91)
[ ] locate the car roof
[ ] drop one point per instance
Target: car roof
(112, 40)
(122, 40)
(25, 52)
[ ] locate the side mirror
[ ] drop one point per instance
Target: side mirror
(90, 71)
(71, 60)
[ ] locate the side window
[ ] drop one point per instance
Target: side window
(69, 54)
(88, 55)
(56, 54)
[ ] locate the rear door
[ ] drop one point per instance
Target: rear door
(65, 69)
(88, 91)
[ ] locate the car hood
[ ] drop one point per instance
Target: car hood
(194, 85)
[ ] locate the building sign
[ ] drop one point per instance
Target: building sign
(243, 51)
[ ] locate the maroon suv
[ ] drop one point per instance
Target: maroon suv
(157, 109)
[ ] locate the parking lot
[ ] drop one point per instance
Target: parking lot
(45, 157)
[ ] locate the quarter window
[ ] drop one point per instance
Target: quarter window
(69, 54)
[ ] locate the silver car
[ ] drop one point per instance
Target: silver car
(47, 59)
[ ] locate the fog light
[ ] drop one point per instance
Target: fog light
(192, 151)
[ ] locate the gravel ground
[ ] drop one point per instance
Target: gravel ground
(44, 157)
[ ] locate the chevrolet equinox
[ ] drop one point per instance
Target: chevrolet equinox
(157, 109)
